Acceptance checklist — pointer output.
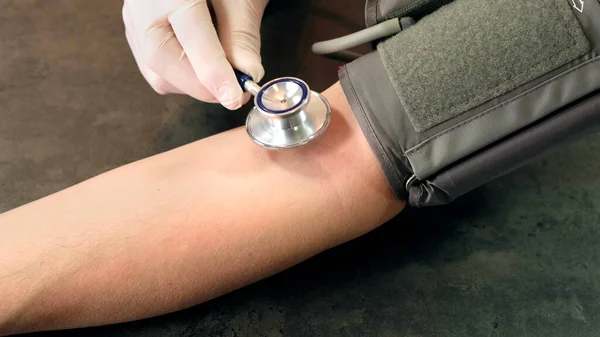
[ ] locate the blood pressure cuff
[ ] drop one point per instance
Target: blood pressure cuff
(474, 90)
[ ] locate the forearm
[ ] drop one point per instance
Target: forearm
(186, 226)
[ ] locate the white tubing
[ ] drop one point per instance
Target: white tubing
(381, 30)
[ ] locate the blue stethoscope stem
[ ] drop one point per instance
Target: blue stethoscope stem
(247, 83)
(242, 78)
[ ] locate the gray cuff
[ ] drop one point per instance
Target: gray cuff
(379, 113)
(504, 129)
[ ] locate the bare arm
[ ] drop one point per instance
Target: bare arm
(185, 226)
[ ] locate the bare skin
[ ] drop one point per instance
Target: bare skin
(176, 229)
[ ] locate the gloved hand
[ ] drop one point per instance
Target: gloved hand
(179, 50)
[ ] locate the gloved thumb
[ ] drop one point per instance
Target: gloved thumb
(238, 24)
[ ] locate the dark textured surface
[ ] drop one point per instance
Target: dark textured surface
(518, 257)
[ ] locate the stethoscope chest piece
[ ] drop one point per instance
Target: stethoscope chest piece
(287, 114)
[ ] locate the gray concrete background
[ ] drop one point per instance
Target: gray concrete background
(517, 257)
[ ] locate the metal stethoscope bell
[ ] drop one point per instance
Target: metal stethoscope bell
(286, 113)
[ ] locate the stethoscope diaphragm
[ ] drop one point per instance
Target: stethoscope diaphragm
(286, 113)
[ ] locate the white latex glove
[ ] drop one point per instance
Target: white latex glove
(179, 50)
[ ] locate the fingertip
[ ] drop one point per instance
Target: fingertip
(247, 98)
(233, 107)
(249, 65)
(230, 95)
(257, 73)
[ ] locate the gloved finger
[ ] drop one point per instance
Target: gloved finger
(247, 97)
(193, 26)
(165, 56)
(157, 83)
(158, 55)
(238, 24)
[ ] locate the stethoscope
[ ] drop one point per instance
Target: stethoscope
(286, 113)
